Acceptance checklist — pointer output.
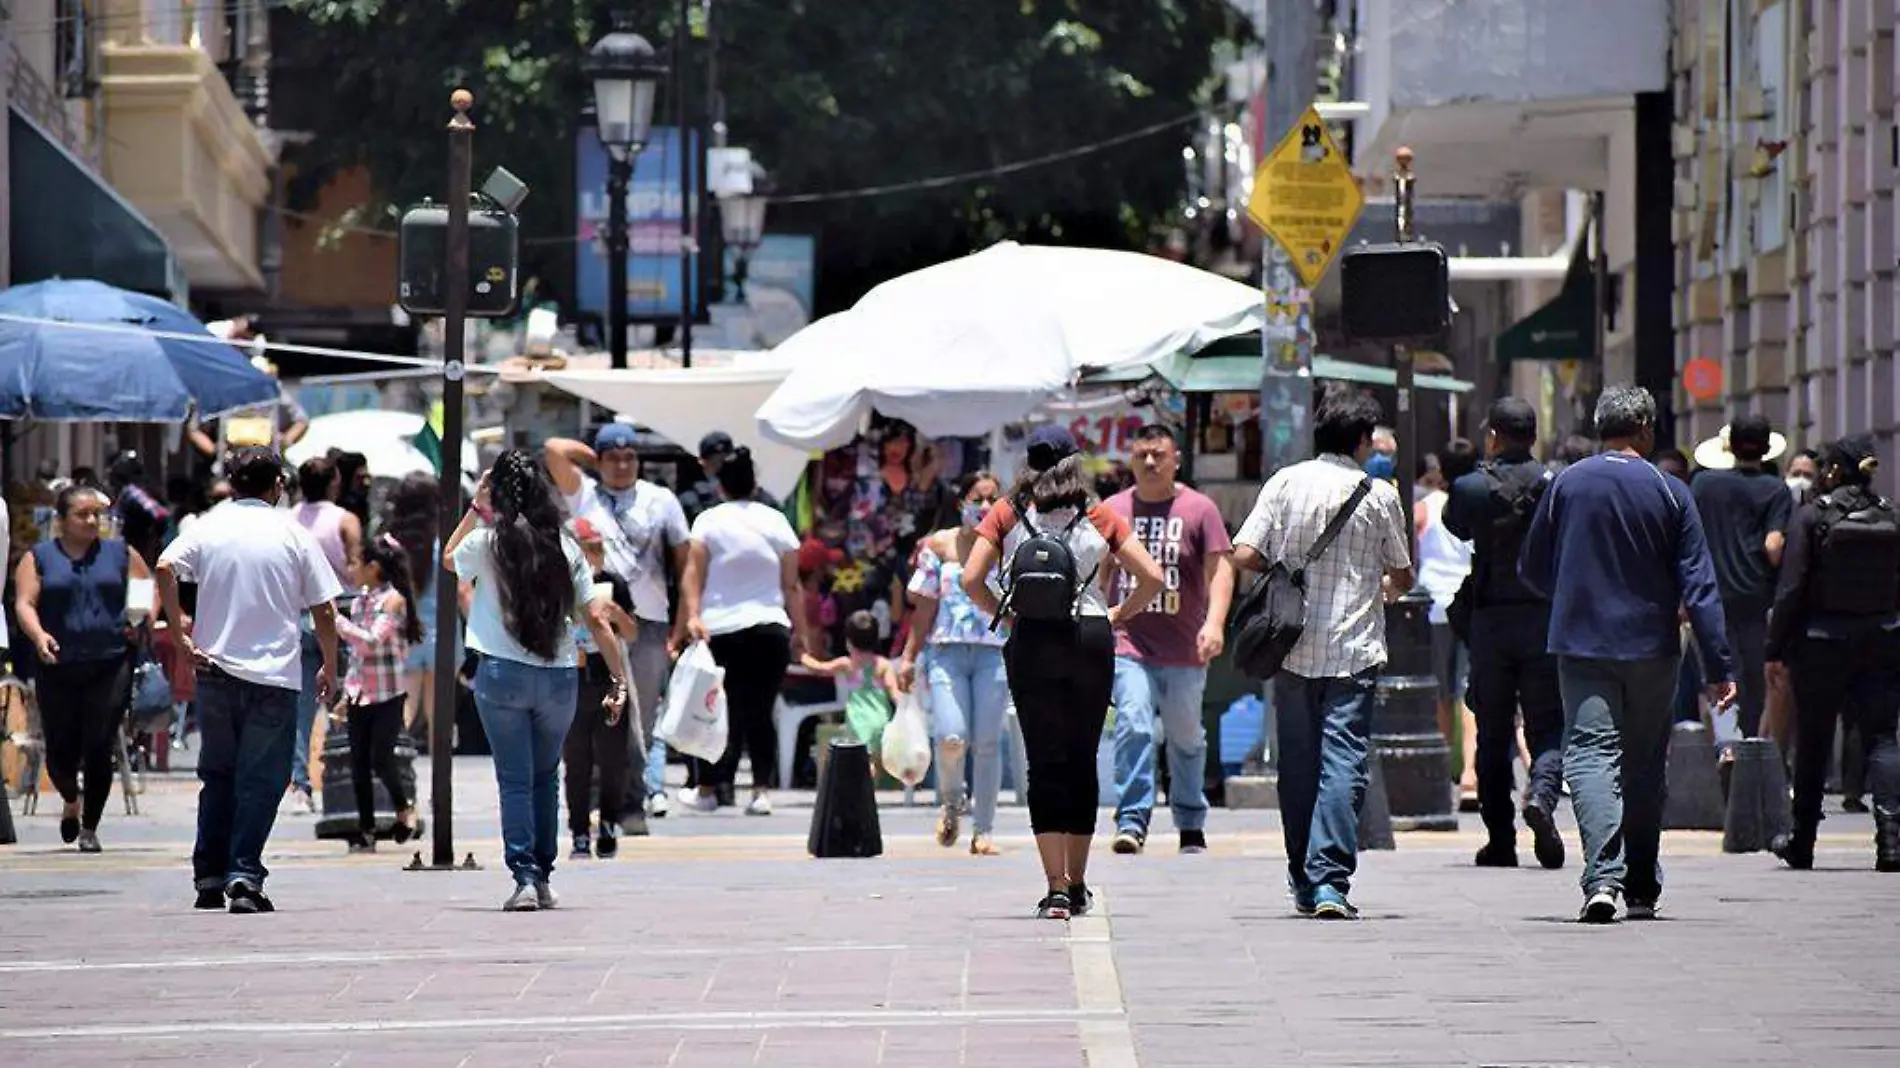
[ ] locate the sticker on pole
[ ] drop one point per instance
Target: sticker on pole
(1306, 198)
(1702, 379)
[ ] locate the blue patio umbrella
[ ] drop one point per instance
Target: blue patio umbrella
(84, 351)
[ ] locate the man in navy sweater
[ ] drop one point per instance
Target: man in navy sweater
(1618, 548)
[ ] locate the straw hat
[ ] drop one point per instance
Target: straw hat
(1714, 455)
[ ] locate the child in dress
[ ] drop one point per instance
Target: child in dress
(866, 681)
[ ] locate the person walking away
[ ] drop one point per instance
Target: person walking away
(967, 684)
(1618, 548)
(1055, 540)
(715, 449)
(69, 599)
(740, 596)
(340, 535)
(413, 518)
(1835, 636)
(1162, 652)
(867, 681)
(1444, 563)
(379, 635)
(597, 747)
(1512, 669)
(531, 585)
(1745, 512)
(258, 573)
(1324, 693)
(644, 533)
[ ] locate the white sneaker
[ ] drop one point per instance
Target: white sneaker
(301, 804)
(1602, 907)
(761, 806)
(524, 899)
(697, 801)
(545, 897)
(657, 806)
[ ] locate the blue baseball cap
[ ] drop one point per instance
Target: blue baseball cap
(615, 436)
(1049, 445)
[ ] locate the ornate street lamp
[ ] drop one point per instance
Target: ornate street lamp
(626, 72)
(742, 224)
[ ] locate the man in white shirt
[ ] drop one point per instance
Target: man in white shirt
(257, 574)
(1323, 696)
(641, 526)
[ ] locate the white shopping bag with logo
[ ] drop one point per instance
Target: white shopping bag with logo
(906, 743)
(694, 721)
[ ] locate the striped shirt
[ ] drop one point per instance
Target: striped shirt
(376, 640)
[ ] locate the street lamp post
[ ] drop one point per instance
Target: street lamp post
(742, 225)
(626, 72)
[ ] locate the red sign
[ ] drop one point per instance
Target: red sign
(1110, 435)
(1702, 378)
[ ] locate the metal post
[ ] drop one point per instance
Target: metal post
(619, 176)
(688, 238)
(447, 613)
(1413, 755)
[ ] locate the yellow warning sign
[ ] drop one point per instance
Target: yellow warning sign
(1306, 198)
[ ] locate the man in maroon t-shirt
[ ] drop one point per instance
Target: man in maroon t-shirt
(1161, 655)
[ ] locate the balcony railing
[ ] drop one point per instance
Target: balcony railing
(47, 107)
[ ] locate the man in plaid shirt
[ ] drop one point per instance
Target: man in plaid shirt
(1324, 693)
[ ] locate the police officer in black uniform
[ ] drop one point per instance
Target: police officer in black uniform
(1506, 631)
(1835, 631)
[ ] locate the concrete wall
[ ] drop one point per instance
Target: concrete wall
(1461, 51)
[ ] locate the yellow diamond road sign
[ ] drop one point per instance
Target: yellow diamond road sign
(1305, 197)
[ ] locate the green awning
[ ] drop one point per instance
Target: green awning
(1565, 328)
(68, 223)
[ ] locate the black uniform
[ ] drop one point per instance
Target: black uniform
(1836, 624)
(1511, 670)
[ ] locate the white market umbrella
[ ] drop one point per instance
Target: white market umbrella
(966, 346)
(383, 437)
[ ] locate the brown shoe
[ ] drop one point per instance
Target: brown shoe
(948, 826)
(981, 846)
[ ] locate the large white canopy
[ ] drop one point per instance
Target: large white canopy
(382, 436)
(685, 405)
(969, 345)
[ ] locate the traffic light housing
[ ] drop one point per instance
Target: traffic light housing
(493, 259)
(1395, 294)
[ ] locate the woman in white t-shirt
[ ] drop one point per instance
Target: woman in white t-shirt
(740, 596)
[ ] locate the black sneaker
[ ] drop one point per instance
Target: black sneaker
(1054, 906)
(1193, 842)
(583, 848)
(1855, 805)
(1080, 899)
(1496, 855)
(1546, 842)
(69, 829)
(246, 899)
(1796, 850)
(609, 844)
(209, 899)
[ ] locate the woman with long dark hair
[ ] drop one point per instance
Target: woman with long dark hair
(1060, 657)
(69, 598)
(740, 595)
(412, 518)
(380, 633)
(531, 585)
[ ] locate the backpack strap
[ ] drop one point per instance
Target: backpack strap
(1337, 523)
(1020, 505)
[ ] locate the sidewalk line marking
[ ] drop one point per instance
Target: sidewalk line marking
(509, 955)
(655, 1021)
(1108, 1041)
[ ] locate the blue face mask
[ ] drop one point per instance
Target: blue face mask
(1381, 466)
(973, 513)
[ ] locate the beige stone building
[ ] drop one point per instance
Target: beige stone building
(1786, 152)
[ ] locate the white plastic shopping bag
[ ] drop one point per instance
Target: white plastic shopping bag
(695, 718)
(906, 749)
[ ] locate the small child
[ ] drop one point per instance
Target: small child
(865, 678)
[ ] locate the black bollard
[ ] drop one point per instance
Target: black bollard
(1758, 805)
(1405, 737)
(1693, 801)
(844, 817)
(339, 787)
(1375, 814)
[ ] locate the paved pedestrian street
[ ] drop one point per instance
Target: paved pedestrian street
(719, 943)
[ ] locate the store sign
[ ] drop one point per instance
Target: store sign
(1108, 434)
(655, 205)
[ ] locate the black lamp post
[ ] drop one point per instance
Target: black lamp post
(626, 72)
(742, 225)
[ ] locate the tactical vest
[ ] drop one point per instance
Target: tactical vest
(1857, 556)
(1515, 492)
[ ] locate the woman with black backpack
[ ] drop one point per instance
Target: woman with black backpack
(1055, 542)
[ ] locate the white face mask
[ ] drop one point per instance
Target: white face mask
(1800, 485)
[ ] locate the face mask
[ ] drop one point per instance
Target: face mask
(1381, 466)
(1801, 485)
(974, 511)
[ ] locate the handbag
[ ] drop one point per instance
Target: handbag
(1268, 622)
(151, 690)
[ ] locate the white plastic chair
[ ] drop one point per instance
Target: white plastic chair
(788, 717)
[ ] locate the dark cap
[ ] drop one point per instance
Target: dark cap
(716, 446)
(615, 436)
(1049, 445)
(1750, 435)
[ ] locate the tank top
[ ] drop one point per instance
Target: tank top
(82, 602)
(1443, 560)
(324, 521)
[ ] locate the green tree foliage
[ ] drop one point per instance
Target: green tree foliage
(829, 94)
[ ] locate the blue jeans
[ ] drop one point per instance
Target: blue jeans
(969, 699)
(1617, 721)
(1142, 691)
(307, 703)
(1325, 728)
(526, 710)
(244, 740)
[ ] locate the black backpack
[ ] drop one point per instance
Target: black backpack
(1269, 620)
(1044, 583)
(1515, 495)
(1858, 553)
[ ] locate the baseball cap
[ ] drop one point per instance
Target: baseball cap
(716, 445)
(615, 436)
(1049, 445)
